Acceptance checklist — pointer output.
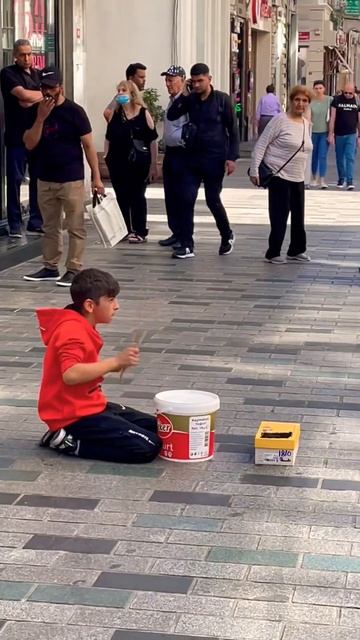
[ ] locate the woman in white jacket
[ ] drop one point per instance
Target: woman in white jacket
(284, 146)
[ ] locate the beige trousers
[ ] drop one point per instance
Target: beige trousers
(54, 198)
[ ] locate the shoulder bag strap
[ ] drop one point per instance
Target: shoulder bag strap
(294, 154)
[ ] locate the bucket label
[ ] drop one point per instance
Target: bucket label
(164, 425)
(199, 436)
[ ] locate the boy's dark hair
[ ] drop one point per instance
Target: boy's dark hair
(270, 88)
(132, 69)
(92, 283)
(317, 82)
(199, 69)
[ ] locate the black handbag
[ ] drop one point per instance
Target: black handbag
(266, 174)
(139, 151)
(189, 134)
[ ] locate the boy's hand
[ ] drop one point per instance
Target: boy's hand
(130, 357)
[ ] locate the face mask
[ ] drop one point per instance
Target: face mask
(122, 99)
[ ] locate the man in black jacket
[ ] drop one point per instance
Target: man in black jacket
(212, 144)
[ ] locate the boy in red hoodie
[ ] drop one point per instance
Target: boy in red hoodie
(71, 402)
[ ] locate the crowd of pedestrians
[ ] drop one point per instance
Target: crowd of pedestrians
(46, 134)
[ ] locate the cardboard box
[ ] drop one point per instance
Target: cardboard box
(277, 443)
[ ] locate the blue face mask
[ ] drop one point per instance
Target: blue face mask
(122, 99)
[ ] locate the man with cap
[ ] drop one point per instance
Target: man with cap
(59, 133)
(20, 86)
(173, 165)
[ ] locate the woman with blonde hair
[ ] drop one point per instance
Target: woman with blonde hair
(131, 157)
(281, 153)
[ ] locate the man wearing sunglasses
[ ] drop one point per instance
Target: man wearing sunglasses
(344, 131)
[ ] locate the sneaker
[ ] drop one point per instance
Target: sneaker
(43, 275)
(15, 234)
(168, 242)
(67, 279)
(301, 257)
(314, 182)
(32, 231)
(227, 246)
(350, 186)
(276, 260)
(59, 440)
(135, 238)
(183, 252)
(323, 184)
(340, 184)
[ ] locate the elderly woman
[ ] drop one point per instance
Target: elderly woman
(284, 147)
(131, 157)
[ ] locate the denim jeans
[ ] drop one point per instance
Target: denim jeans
(16, 160)
(319, 154)
(345, 149)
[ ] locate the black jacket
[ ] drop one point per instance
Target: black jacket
(217, 130)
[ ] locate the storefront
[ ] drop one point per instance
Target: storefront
(36, 21)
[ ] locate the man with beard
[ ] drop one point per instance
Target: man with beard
(59, 135)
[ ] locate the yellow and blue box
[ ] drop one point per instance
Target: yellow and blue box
(277, 443)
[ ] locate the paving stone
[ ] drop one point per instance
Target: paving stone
(187, 497)
(229, 628)
(177, 522)
(35, 612)
(341, 485)
(164, 550)
(280, 481)
(14, 590)
(200, 569)
(331, 563)
(350, 618)
(241, 589)
(8, 498)
(144, 635)
(184, 604)
(260, 558)
(12, 475)
(106, 468)
(301, 631)
(139, 582)
(36, 631)
(74, 545)
(126, 619)
(327, 596)
(282, 575)
(81, 595)
(294, 612)
(57, 502)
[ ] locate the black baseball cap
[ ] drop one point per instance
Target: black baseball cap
(174, 70)
(50, 76)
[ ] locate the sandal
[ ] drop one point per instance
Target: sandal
(135, 238)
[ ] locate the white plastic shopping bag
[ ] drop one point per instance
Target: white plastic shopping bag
(107, 218)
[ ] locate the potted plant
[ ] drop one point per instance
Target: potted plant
(151, 98)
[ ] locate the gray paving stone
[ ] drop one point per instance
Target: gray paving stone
(292, 612)
(36, 631)
(178, 522)
(139, 582)
(229, 628)
(127, 619)
(144, 635)
(11, 475)
(74, 545)
(35, 612)
(164, 550)
(14, 590)
(81, 595)
(280, 481)
(184, 604)
(301, 631)
(282, 575)
(327, 596)
(190, 498)
(57, 502)
(259, 558)
(341, 485)
(199, 569)
(245, 590)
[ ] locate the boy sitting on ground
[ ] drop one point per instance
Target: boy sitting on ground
(81, 421)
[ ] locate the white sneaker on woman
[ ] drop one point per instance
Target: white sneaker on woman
(301, 257)
(276, 260)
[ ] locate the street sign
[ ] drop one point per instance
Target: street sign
(352, 7)
(304, 36)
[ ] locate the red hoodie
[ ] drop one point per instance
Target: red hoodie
(70, 339)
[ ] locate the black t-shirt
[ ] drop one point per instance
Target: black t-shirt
(347, 110)
(16, 116)
(120, 132)
(59, 154)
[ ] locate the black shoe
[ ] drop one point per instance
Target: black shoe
(183, 252)
(43, 275)
(227, 246)
(168, 242)
(34, 231)
(67, 279)
(59, 440)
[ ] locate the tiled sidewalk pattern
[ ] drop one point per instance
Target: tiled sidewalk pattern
(220, 550)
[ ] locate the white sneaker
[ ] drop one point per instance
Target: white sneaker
(276, 260)
(301, 257)
(350, 187)
(323, 184)
(314, 182)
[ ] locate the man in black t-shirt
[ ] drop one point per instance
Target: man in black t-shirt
(20, 86)
(344, 130)
(59, 133)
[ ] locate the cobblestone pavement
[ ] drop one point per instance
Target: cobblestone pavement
(217, 550)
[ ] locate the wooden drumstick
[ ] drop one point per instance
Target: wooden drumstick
(138, 337)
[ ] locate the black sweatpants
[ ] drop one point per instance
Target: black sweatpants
(117, 434)
(173, 171)
(286, 197)
(211, 172)
(129, 181)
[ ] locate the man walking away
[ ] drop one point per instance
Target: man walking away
(175, 156)
(20, 86)
(212, 148)
(268, 107)
(136, 72)
(60, 133)
(344, 129)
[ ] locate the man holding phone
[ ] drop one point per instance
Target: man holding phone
(212, 144)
